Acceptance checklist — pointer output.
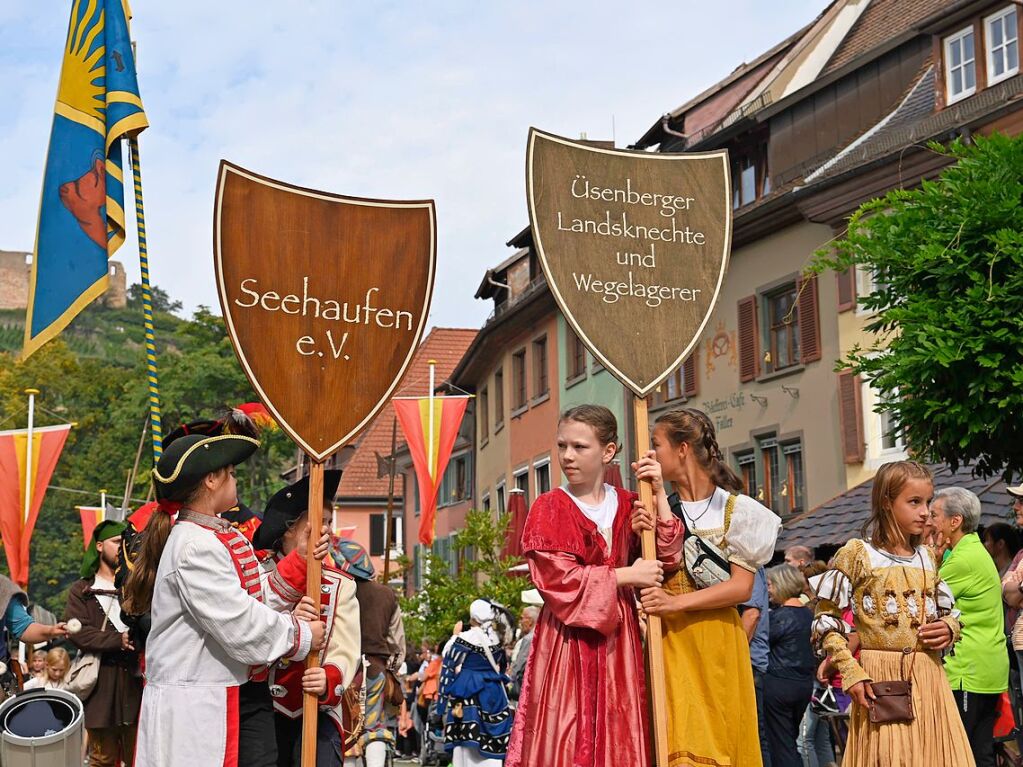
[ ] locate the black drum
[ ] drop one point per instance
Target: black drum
(41, 728)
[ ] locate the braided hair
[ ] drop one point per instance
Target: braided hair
(694, 428)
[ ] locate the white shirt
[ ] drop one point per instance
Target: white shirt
(602, 515)
(109, 603)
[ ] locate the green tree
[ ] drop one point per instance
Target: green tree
(445, 596)
(947, 355)
(159, 298)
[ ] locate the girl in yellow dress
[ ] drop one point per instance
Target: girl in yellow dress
(712, 707)
(904, 617)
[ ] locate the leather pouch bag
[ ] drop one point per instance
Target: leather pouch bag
(894, 702)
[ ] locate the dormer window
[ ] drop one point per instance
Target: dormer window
(1002, 37)
(750, 181)
(960, 65)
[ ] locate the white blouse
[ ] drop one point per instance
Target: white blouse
(752, 533)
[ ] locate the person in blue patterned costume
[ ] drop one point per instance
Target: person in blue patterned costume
(473, 699)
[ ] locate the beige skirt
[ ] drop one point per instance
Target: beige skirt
(934, 737)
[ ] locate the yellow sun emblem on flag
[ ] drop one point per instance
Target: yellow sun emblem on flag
(81, 82)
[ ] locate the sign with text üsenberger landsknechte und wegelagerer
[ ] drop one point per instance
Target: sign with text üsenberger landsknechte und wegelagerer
(634, 246)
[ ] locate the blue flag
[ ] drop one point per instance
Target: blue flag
(81, 214)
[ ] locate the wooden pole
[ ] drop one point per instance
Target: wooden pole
(310, 701)
(388, 525)
(654, 639)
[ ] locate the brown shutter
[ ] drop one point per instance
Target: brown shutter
(850, 417)
(809, 320)
(690, 386)
(749, 339)
(846, 290)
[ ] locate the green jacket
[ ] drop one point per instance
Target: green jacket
(981, 662)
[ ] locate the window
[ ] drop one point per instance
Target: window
(576, 356)
(1002, 36)
(772, 482)
(518, 380)
(498, 399)
(486, 502)
(748, 469)
(542, 472)
(960, 65)
(456, 484)
(376, 535)
(541, 387)
(522, 483)
(750, 180)
(884, 442)
(484, 414)
(795, 483)
(417, 567)
(415, 493)
(501, 507)
(783, 329)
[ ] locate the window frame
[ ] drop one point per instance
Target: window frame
(989, 59)
(876, 453)
(768, 297)
(538, 465)
(946, 46)
(519, 388)
(541, 372)
(575, 357)
(484, 415)
(516, 476)
(498, 399)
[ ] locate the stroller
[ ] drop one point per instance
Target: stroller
(433, 752)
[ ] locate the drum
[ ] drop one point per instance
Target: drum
(41, 728)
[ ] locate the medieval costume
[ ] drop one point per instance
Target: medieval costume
(891, 597)
(215, 616)
(712, 705)
(340, 657)
(383, 647)
(583, 699)
(257, 746)
(16, 618)
(473, 700)
(112, 708)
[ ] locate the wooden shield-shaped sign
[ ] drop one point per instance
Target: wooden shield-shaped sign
(634, 246)
(325, 299)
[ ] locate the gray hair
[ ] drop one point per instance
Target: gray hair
(958, 501)
(531, 611)
(787, 580)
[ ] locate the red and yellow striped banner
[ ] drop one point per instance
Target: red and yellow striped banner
(430, 458)
(16, 528)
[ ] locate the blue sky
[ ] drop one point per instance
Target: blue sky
(383, 99)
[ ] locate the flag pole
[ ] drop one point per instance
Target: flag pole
(147, 304)
(388, 526)
(28, 454)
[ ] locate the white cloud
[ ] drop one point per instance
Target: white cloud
(398, 100)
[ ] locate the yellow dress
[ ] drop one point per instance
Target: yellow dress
(712, 705)
(888, 595)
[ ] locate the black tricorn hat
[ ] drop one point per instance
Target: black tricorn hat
(188, 459)
(287, 505)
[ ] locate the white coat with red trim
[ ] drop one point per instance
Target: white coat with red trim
(340, 657)
(216, 614)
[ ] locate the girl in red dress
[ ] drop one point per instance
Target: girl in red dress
(583, 699)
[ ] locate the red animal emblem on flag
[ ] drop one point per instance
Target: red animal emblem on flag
(86, 198)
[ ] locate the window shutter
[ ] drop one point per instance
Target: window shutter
(850, 417)
(690, 385)
(809, 320)
(846, 290)
(749, 339)
(376, 535)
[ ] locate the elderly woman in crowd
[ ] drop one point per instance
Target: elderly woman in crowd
(978, 671)
(788, 683)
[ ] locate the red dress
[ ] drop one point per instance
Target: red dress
(583, 700)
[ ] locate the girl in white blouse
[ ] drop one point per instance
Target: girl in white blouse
(712, 711)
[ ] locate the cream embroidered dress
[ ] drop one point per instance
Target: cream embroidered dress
(891, 597)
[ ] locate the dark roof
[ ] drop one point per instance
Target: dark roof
(914, 121)
(840, 519)
(881, 21)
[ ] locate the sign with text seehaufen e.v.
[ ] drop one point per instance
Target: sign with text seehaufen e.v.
(325, 298)
(634, 246)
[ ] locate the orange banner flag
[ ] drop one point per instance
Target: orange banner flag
(15, 525)
(430, 460)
